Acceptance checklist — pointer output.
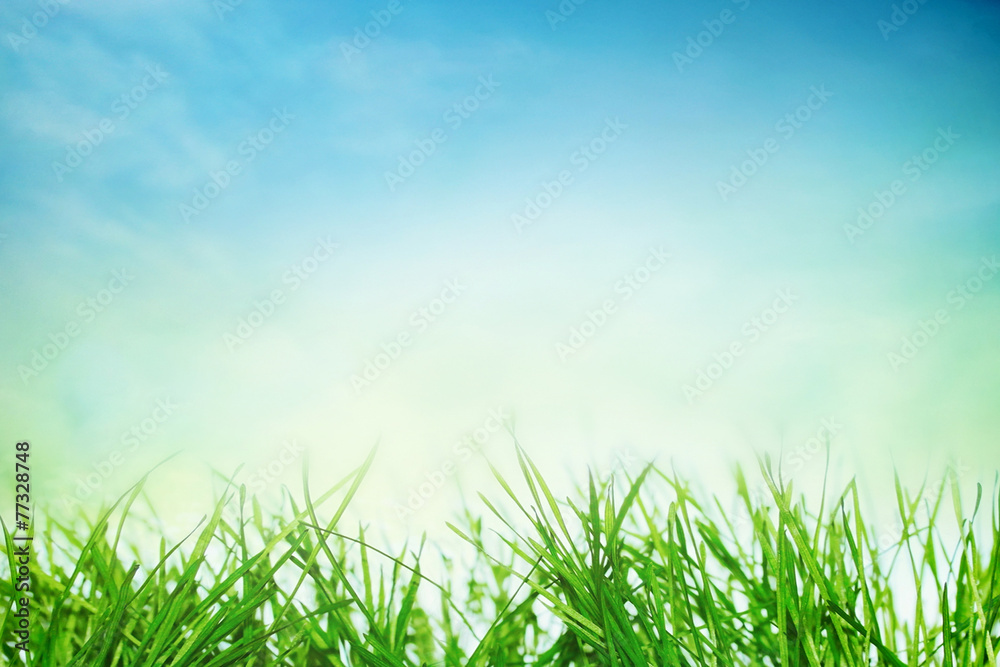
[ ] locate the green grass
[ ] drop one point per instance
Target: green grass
(638, 572)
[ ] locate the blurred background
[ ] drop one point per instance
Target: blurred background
(268, 233)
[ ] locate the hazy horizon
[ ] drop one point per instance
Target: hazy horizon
(247, 232)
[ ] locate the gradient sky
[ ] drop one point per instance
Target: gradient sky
(231, 72)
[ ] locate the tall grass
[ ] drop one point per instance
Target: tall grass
(636, 573)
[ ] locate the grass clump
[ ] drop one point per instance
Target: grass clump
(640, 572)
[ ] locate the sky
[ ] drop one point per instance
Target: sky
(262, 234)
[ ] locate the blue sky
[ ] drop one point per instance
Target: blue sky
(228, 80)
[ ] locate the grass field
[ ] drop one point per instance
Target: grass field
(639, 571)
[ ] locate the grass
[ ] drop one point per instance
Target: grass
(640, 572)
